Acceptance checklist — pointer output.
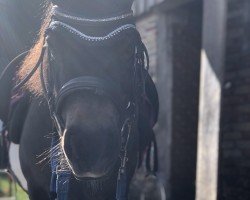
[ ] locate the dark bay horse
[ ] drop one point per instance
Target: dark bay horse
(102, 53)
(19, 23)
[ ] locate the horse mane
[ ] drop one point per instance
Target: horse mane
(34, 84)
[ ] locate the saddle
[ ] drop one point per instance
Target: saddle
(13, 109)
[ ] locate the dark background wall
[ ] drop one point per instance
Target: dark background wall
(172, 33)
(235, 123)
(185, 99)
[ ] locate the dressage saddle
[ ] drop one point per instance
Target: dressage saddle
(13, 106)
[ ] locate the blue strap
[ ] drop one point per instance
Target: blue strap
(59, 185)
(62, 185)
(121, 188)
(53, 165)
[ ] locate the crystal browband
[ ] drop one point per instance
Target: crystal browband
(57, 12)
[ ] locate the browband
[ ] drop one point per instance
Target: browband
(61, 14)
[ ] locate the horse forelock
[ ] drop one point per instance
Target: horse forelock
(34, 84)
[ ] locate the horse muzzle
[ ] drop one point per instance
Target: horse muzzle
(91, 140)
(91, 154)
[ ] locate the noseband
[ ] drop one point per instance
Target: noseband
(97, 85)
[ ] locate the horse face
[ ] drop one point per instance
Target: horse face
(91, 140)
(92, 136)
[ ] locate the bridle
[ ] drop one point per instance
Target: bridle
(59, 180)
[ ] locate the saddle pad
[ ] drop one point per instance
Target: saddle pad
(16, 166)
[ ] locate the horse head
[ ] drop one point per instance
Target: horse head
(93, 77)
(94, 88)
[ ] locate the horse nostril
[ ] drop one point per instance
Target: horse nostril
(91, 150)
(70, 147)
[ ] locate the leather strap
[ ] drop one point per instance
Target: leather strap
(98, 85)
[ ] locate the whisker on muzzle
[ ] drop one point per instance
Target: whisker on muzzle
(59, 156)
